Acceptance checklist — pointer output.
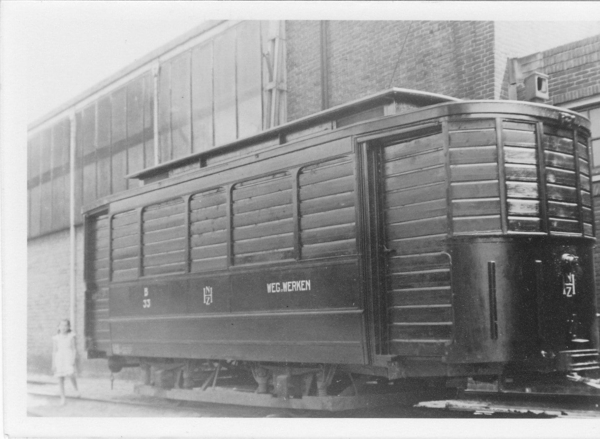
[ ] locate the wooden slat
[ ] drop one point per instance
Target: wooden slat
(415, 195)
(208, 213)
(520, 155)
(202, 201)
(126, 241)
(410, 163)
(558, 144)
(556, 131)
(338, 233)
(522, 126)
(209, 264)
(211, 225)
(476, 207)
(587, 215)
(219, 237)
(416, 178)
(262, 202)
(522, 224)
(586, 198)
(521, 172)
(337, 186)
(271, 228)
(163, 259)
(430, 226)
(331, 202)
(124, 264)
(123, 253)
(560, 176)
(131, 229)
(560, 160)
(561, 225)
(477, 224)
(164, 235)
(421, 296)
(122, 220)
(336, 248)
(151, 213)
(418, 211)
(479, 189)
(164, 223)
(260, 187)
(256, 258)
(418, 262)
(473, 154)
(561, 193)
(523, 207)
(432, 313)
(471, 124)
(518, 138)
(485, 171)
(324, 219)
(414, 146)
(422, 244)
(585, 181)
(420, 279)
(319, 175)
(516, 189)
(212, 251)
(163, 247)
(164, 269)
(263, 244)
(262, 216)
(563, 210)
(421, 331)
(472, 138)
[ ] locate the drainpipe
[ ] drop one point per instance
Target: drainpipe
(324, 65)
(73, 242)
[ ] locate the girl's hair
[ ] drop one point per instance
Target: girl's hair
(68, 324)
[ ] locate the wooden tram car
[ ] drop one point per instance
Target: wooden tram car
(403, 236)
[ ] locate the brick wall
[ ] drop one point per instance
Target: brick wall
(48, 298)
(517, 39)
(574, 69)
(453, 58)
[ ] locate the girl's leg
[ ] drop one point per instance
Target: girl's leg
(74, 382)
(61, 386)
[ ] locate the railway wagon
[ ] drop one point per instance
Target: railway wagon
(405, 235)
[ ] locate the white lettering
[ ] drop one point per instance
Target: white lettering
(289, 286)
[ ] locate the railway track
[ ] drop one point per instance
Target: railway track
(44, 402)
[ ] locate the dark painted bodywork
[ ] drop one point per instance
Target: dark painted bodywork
(338, 319)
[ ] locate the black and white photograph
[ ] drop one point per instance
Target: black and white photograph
(292, 219)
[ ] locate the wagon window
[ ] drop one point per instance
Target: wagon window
(164, 236)
(125, 245)
(208, 230)
(263, 225)
(327, 216)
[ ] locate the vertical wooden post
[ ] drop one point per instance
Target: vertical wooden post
(501, 176)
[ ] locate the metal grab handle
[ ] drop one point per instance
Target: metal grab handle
(388, 251)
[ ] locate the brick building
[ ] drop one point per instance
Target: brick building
(228, 80)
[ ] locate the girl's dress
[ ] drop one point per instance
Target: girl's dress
(64, 354)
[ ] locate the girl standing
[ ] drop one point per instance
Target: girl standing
(64, 355)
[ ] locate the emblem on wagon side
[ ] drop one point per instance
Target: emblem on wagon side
(569, 284)
(208, 295)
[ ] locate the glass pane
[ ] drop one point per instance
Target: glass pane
(224, 77)
(594, 116)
